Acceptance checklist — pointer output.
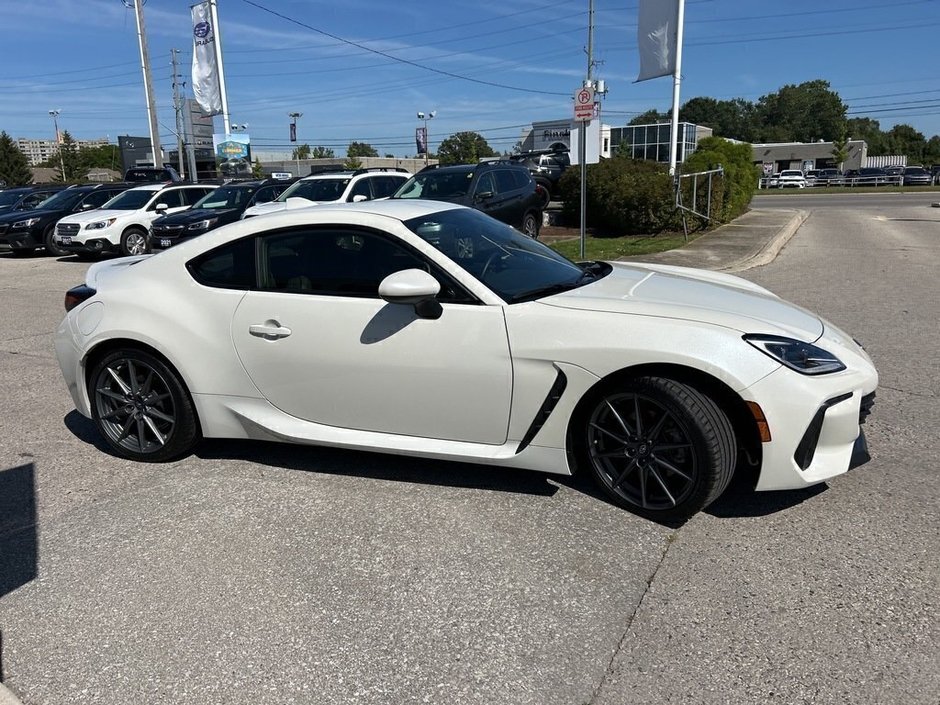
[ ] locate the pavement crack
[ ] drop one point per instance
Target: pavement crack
(925, 395)
(622, 642)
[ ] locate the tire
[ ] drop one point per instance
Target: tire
(530, 225)
(49, 241)
(676, 462)
(133, 242)
(141, 407)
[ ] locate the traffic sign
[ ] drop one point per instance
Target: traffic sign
(584, 104)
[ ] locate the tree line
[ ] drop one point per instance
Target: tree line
(807, 112)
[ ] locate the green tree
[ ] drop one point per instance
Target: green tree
(650, 117)
(14, 167)
(69, 158)
(105, 156)
(840, 150)
(808, 112)
(322, 153)
(257, 171)
(869, 130)
(464, 148)
(361, 149)
(905, 140)
(352, 163)
(301, 152)
(736, 119)
(932, 151)
(739, 181)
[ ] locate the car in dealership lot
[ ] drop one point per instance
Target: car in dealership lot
(121, 225)
(894, 174)
(342, 186)
(152, 175)
(829, 177)
(868, 176)
(25, 198)
(23, 232)
(222, 206)
(791, 178)
(546, 167)
(425, 328)
(916, 176)
(502, 189)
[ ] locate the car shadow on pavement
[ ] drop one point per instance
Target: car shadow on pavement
(740, 500)
(19, 532)
(84, 430)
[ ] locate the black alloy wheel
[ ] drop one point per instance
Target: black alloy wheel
(530, 225)
(658, 447)
(141, 407)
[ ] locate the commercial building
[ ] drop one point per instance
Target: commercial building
(652, 141)
(38, 151)
(777, 156)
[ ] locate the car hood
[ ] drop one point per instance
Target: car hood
(192, 216)
(8, 217)
(93, 215)
(694, 295)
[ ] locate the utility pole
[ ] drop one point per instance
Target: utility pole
(54, 114)
(582, 131)
(148, 80)
(178, 109)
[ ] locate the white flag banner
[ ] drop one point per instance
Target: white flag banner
(656, 36)
(205, 70)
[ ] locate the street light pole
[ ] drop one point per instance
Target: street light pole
(293, 133)
(58, 142)
(427, 139)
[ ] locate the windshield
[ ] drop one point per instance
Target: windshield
(515, 267)
(436, 185)
(224, 197)
(129, 200)
(62, 200)
(316, 190)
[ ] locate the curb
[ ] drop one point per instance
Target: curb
(772, 248)
(7, 697)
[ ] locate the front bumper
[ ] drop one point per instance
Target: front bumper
(91, 246)
(22, 239)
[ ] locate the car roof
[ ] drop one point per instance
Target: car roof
(402, 208)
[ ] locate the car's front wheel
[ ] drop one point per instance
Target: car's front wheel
(657, 447)
(48, 238)
(530, 225)
(134, 242)
(141, 407)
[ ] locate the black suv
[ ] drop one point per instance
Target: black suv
(546, 167)
(220, 207)
(152, 175)
(23, 231)
(503, 190)
(25, 198)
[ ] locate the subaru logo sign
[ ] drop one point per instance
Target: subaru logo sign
(202, 29)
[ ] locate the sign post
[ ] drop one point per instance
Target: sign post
(583, 112)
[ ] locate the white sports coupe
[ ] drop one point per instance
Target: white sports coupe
(423, 328)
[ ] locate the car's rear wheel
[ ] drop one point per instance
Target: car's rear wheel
(48, 239)
(530, 225)
(141, 407)
(134, 242)
(657, 447)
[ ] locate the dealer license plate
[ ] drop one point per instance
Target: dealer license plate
(65, 240)
(164, 242)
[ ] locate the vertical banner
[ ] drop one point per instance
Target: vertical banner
(657, 28)
(421, 140)
(293, 132)
(232, 154)
(206, 86)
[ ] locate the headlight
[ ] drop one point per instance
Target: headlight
(100, 224)
(28, 223)
(803, 357)
(202, 224)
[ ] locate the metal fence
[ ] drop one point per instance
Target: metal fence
(700, 195)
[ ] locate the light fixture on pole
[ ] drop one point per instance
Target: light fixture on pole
(427, 141)
(55, 121)
(239, 128)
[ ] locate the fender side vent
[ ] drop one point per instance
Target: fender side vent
(548, 406)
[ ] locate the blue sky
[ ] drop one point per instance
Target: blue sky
(525, 58)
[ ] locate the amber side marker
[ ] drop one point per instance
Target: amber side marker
(762, 426)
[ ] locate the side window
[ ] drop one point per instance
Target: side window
(96, 199)
(191, 195)
(361, 188)
(521, 178)
(339, 262)
(172, 198)
(231, 266)
(264, 195)
(383, 186)
(505, 181)
(32, 200)
(485, 184)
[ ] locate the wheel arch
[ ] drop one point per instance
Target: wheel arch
(740, 416)
(105, 347)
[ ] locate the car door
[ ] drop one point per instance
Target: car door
(320, 344)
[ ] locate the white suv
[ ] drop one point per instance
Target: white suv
(121, 224)
(791, 177)
(335, 187)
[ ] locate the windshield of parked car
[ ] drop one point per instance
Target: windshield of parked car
(129, 200)
(515, 267)
(316, 190)
(62, 200)
(436, 185)
(224, 197)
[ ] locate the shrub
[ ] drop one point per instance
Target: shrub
(738, 184)
(624, 197)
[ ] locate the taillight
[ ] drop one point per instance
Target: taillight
(78, 294)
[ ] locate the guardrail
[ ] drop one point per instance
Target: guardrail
(767, 182)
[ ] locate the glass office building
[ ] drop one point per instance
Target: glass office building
(652, 141)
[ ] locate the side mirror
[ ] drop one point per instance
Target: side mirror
(162, 208)
(87, 206)
(359, 198)
(413, 287)
(483, 195)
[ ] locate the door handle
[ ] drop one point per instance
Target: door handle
(269, 330)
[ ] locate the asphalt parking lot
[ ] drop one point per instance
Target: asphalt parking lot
(253, 573)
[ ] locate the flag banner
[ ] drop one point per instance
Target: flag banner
(205, 71)
(293, 132)
(421, 140)
(657, 27)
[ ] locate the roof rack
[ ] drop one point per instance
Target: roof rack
(368, 169)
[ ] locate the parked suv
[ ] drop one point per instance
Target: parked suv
(503, 190)
(24, 231)
(152, 175)
(917, 176)
(25, 198)
(546, 168)
(336, 187)
(222, 206)
(791, 178)
(122, 223)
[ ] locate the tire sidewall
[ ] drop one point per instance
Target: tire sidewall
(48, 238)
(125, 236)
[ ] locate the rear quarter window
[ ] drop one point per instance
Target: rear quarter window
(231, 266)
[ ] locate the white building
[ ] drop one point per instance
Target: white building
(37, 151)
